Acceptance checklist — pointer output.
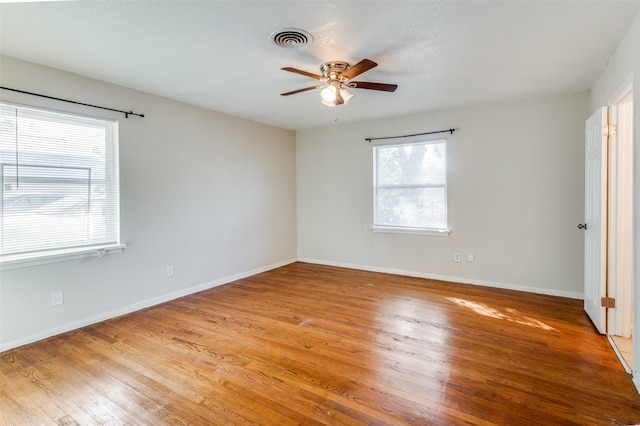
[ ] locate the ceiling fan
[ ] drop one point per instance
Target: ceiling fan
(336, 81)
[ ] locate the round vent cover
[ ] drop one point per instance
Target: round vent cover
(291, 38)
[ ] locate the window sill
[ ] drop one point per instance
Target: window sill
(412, 231)
(24, 261)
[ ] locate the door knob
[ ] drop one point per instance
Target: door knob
(582, 226)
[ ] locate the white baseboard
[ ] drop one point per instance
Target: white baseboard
(462, 280)
(83, 322)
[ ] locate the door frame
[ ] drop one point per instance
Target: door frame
(620, 218)
(611, 272)
(630, 89)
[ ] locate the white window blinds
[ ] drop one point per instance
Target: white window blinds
(60, 183)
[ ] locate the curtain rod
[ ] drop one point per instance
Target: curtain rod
(408, 136)
(126, 113)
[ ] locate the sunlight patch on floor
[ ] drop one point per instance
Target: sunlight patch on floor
(511, 315)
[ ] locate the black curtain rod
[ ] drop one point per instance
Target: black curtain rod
(126, 113)
(408, 136)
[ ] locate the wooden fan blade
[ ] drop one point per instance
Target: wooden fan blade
(299, 91)
(373, 86)
(362, 66)
(306, 74)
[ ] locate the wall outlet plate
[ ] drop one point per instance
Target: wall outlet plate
(57, 298)
(170, 271)
(456, 257)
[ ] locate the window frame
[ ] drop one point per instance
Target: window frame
(432, 231)
(111, 162)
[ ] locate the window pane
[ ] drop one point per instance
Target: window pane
(59, 181)
(411, 185)
(412, 207)
(417, 164)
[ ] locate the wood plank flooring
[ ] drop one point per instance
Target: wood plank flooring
(310, 344)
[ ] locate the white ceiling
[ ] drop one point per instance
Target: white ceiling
(218, 55)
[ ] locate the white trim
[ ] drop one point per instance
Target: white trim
(103, 316)
(412, 231)
(18, 261)
(57, 111)
(411, 140)
(623, 361)
(462, 280)
(620, 247)
(626, 242)
(624, 89)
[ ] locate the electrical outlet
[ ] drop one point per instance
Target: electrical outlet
(170, 271)
(471, 257)
(456, 257)
(57, 298)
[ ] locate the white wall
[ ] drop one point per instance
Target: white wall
(516, 195)
(212, 194)
(623, 64)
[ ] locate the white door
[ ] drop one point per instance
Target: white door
(595, 261)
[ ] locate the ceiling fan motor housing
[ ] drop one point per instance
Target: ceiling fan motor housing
(333, 70)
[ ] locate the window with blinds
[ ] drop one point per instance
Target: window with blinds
(59, 183)
(410, 187)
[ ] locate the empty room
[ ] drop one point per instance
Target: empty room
(319, 212)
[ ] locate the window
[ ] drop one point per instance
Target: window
(410, 187)
(59, 183)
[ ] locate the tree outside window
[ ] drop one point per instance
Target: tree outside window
(410, 186)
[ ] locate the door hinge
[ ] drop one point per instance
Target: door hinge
(609, 129)
(608, 302)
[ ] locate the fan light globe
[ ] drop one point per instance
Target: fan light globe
(333, 95)
(346, 95)
(328, 95)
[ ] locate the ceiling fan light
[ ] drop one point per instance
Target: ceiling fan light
(333, 95)
(328, 95)
(346, 95)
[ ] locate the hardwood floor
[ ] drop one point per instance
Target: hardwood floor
(309, 344)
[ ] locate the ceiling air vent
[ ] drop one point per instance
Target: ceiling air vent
(291, 38)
